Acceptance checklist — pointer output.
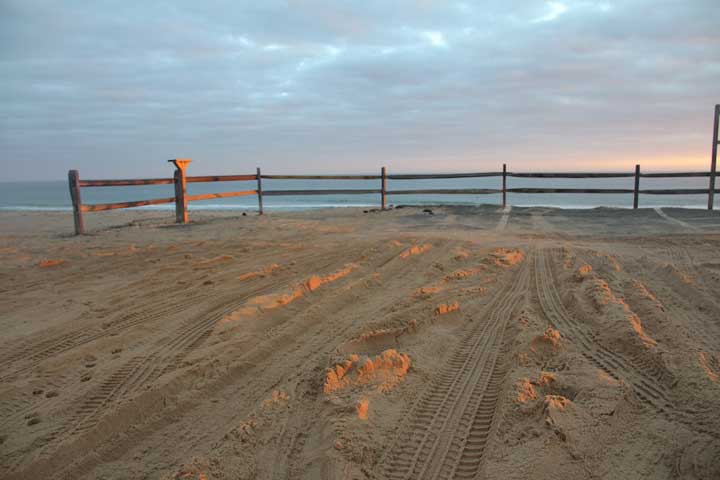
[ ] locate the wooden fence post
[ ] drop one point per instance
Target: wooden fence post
(259, 191)
(74, 184)
(181, 212)
(637, 187)
(713, 161)
(504, 185)
(383, 188)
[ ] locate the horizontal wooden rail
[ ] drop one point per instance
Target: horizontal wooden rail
(113, 206)
(678, 191)
(671, 191)
(126, 182)
(570, 190)
(319, 192)
(675, 175)
(208, 196)
(321, 177)
(221, 178)
(571, 175)
(446, 191)
(430, 176)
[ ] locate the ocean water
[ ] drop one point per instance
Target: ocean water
(54, 196)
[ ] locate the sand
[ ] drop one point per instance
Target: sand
(336, 344)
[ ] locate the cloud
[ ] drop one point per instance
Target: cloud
(555, 9)
(349, 86)
(436, 39)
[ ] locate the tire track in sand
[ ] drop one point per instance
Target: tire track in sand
(648, 388)
(98, 407)
(167, 355)
(449, 427)
(403, 275)
(35, 353)
(502, 223)
(171, 301)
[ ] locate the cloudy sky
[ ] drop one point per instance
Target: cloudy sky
(115, 88)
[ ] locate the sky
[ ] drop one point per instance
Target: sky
(114, 89)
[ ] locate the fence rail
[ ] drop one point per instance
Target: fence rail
(181, 198)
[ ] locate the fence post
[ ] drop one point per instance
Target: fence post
(383, 188)
(181, 213)
(74, 184)
(259, 191)
(637, 187)
(713, 161)
(504, 185)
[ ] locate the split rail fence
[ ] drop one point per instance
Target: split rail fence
(181, 198)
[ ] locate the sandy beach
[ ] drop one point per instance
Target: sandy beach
(468, 342)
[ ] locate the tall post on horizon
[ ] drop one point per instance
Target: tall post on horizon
(713, 161)
(504, 185)
(383, 188)
(636, 191)
(259, 191)
(181, 211)
(74, 184)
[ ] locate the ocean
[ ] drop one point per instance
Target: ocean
(54, 196)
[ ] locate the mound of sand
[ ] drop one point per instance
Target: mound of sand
(381, 372)
(416, 250)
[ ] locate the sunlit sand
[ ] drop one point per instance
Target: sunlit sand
(337, 344)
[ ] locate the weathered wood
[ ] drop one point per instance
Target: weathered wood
(713, 160)
(504, 185)
(209, 196)
(181, 210)
(74, 184)
(259, 191)
(181, 198)
(321, 177)
(383, 188)
(445, 191)
(681, 191)
(675, 174)
(114, 206)
(429, 176)
(220, 178)
(570, 190)
(637, 187)
(571, 175)
(319, 192)
(126, 182)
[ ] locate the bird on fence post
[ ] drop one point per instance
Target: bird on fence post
(181, 213)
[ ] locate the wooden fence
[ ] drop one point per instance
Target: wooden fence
(181, 198)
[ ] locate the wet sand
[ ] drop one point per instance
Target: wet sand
(467, 343)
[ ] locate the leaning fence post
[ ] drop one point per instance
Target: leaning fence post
(181, 212)
(713, 161)
(259, 190)
(636, 191)
(74, 184)
(383, 188)
(504, 185)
